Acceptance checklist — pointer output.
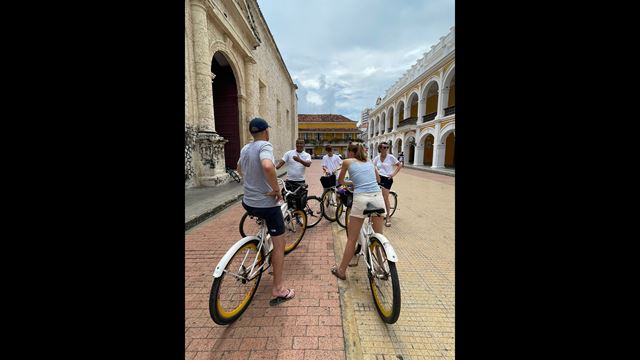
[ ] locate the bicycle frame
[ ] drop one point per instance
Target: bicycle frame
(262, 236)
(366, 232)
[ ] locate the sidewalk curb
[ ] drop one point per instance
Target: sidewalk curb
(207, 214)
(204, 216)
(435, 171)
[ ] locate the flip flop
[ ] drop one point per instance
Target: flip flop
(334, 271)
(280, 299)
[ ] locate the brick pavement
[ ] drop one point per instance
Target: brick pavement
(307, 327)
(422, 234)
(322, 322)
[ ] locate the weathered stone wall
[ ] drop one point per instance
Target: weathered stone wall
(233, 31)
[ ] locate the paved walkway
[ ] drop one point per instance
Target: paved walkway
(333, 319)
(307, 327)
(422, 233)
(204, 202)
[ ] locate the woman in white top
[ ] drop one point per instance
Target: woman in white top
(388, 166)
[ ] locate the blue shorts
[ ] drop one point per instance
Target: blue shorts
(272, 216)
(386, 182)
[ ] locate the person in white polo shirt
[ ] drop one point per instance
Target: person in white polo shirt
(330, 162)
(296, 160)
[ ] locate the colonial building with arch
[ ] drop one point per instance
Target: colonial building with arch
(233, 73)
(417, 115)
(320, 130)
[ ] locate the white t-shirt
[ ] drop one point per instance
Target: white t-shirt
(331, 162)
(295, 170)
(385, 168)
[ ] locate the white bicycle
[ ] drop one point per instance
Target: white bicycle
(293, 222)
(237, 275)
(381, 260)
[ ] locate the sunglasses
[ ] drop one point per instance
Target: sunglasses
(384, 147)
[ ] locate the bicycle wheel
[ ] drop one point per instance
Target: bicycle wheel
(384, 282)
(393, 203)
(232, 292)
(313, 210)
(295, 224)
(341, 213)
(248, 225)
(330, 202)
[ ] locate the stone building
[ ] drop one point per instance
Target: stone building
(417, 115)
(319, 130)
(233, 72)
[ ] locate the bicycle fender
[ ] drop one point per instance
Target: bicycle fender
(225, 259)
(388, 248)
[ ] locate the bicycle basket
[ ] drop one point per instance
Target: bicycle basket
(346, 196)
(328, 181)
(299, 200)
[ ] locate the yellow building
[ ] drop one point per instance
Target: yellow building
(319, 130)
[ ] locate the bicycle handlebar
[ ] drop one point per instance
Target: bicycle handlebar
(286, 191)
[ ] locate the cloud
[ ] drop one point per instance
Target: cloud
(314, 98)
(343, 60)
(311, 83)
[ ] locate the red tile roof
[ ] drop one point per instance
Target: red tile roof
(322, 118)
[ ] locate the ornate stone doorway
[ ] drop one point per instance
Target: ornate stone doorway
(225, 107)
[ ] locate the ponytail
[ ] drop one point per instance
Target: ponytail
(358, 151)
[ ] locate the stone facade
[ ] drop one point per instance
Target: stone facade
(233, 72)
(417, 113)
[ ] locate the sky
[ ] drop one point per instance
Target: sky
(344, 54)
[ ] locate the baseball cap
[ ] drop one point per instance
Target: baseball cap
(258, 124)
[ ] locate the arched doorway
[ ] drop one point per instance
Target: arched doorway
(411, 148)
(225, 107)
(430, 101)
(428, 150)
(450, 151)
(398, 147)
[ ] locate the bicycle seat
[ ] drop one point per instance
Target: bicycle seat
(372, 210)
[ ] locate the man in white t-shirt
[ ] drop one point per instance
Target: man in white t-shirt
(330, 162)
(297, 160)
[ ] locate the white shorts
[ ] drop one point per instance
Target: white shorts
(360, 201)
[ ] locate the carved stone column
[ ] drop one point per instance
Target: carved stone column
(211, 155)
(438, 156)
(422, 107)
(443, 95)
(202, 62)
(418, 155)
(208, 160)
(396, 113)
(251, 86)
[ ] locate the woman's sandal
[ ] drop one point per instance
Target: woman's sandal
(280, 299)
(334, 271)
